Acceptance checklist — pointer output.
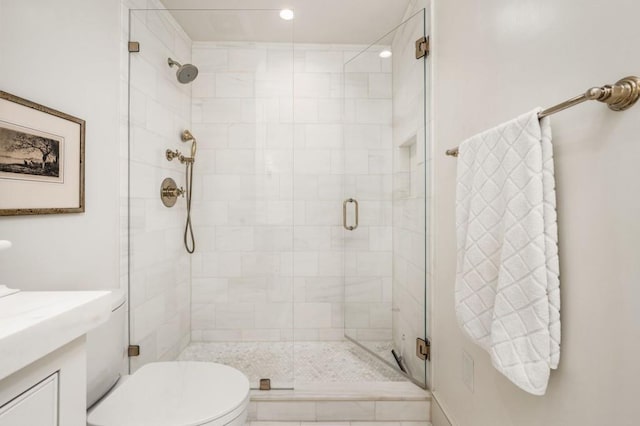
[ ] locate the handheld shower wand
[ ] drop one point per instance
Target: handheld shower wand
(189, 239)
(186, 136)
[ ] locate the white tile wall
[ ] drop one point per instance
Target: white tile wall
(243, 273)
(272, 188)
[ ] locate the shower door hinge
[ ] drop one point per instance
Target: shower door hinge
(423, 349)
(422, 47)
(134, 46)
(265, 384)
(133, 350)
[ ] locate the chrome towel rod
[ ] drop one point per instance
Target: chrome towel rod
(618, 97)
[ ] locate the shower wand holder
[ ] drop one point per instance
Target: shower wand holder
(169, 192)
(177, 154)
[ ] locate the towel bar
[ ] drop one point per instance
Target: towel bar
(619, 97)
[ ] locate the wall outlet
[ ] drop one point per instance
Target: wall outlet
(467, 370)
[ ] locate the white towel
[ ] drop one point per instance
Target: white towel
(507, 288)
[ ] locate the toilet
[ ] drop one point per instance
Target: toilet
(160, 393)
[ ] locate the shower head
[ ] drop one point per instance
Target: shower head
(186, 73)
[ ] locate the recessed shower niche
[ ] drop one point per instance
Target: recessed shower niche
(407, 178)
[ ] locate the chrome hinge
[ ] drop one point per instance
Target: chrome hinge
(423, 349)
(422, 47)
(133, 350)
(134, 46)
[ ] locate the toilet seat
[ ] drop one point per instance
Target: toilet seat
(175, 394)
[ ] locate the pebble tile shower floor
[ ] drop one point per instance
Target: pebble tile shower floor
(336, 383)
(313, 361)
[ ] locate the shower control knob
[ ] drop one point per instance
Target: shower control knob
(169, 192)
(173, 192)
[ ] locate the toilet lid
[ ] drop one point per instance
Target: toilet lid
(174, 394)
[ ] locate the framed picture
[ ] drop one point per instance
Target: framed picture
(41, 159)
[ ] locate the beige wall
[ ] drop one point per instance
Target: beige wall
(494, 60)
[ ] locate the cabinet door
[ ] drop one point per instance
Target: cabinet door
(37, 405)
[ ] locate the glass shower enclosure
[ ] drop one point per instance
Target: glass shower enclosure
(291, 138)
(385, 195)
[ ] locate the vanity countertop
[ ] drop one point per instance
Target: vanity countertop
(36, 323)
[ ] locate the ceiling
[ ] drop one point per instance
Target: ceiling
(316, 21)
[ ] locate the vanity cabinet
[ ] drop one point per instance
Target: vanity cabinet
(37, 405)
(49, 392)
(43, 357)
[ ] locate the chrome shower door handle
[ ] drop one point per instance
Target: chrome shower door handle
(344, 214)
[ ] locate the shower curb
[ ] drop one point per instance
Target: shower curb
(366, 402)
(305, 423)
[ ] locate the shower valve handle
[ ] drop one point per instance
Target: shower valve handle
(172, 154)
(173, 192)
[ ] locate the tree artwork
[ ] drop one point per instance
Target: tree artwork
(25, 153)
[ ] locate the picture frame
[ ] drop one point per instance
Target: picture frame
(42, 160)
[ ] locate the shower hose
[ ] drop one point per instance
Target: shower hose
(189, 240)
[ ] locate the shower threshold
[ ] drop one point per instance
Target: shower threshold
(344, 402)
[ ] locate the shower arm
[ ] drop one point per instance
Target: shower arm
(171, 63)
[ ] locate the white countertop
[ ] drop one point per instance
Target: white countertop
(34, 324)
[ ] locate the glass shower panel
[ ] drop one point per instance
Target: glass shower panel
(240, 110)
(385, 195)
(159, 266)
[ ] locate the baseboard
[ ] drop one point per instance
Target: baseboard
(439, 413)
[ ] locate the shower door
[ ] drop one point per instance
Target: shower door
(231, 301)
(385, 195)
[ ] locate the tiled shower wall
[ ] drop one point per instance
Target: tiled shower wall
(243, 200)
(268, 206)
(160, 108)
(327, 171)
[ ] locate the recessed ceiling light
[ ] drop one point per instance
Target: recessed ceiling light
(385, 54)
(286, 14)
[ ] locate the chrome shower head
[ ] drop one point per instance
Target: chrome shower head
(186, 73)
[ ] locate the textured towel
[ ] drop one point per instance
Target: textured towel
(507, 288)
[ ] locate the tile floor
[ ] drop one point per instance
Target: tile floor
(317, 362)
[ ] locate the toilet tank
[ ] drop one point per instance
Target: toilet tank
(106, 350)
